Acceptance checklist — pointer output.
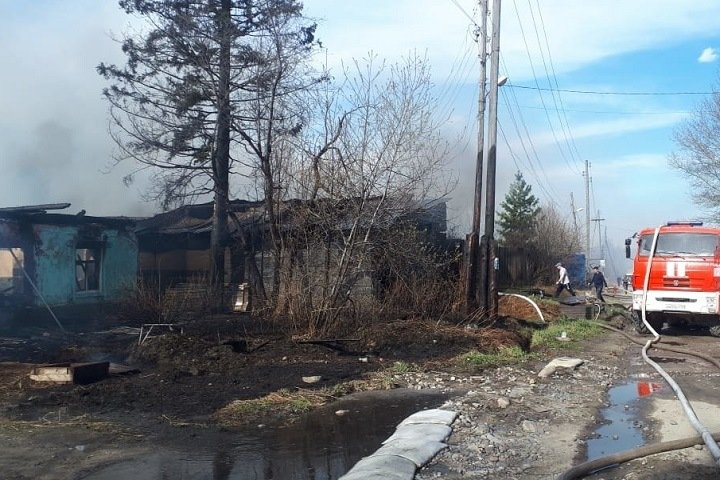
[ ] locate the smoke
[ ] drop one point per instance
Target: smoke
(55, 144)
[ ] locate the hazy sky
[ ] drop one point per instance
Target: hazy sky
(54, 145)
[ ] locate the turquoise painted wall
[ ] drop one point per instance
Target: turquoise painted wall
(120, 265)
(55, 265)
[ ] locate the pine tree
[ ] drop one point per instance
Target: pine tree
(518, 215)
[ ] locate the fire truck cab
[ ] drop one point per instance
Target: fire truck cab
(683, 287)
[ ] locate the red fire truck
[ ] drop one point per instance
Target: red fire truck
(684, 282)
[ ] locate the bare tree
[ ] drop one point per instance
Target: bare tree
(698, 156)
(275, 115)
(556, 239)
(374, 156)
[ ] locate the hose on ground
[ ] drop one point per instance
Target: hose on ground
(662, 346)
(587, 468)
(710, 439)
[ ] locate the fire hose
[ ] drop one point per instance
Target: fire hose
(587, 468)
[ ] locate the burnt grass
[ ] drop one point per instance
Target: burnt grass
(184, 378)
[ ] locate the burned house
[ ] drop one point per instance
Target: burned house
(175, 246)
(59, 260)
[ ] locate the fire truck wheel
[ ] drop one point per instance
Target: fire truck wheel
(636, 319)
(637, 322)
(715, 330)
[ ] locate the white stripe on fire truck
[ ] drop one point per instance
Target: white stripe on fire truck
(670, 266)
(681, 269)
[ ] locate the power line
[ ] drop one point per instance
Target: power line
(542, 100)
(530, 163)
(593, 92)
(557, 86)
(555, 95)
(457, 76)
(610, 112)
(527, 135)
(465, 13)
(551, 199)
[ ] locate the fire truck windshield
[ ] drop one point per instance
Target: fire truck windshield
(680, 244)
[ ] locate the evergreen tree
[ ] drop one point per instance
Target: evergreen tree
(517, 219)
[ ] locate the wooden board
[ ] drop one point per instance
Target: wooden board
(77, 373)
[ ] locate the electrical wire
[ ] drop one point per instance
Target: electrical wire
(456, 79)
(459, 68)
(557, 101)
(465, 12)
(514, 157)
(554, 75)
(617, 112)
(594, 92)
(542, 100)
(530, 163)
(531, 166)
(518, 120)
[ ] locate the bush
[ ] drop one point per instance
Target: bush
(146, 303)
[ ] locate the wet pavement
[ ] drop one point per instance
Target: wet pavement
(622, 425)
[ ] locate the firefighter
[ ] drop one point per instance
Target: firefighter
(598, 281)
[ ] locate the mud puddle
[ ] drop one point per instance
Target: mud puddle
(321, 446)
(621, 426)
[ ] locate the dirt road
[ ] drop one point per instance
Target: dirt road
(514, 425)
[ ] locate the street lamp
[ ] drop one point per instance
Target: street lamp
(577, 210)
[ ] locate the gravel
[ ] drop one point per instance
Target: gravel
(515, 425)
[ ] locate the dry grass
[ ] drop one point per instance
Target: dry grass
(285, 405)
(83, 421)
(280, 405)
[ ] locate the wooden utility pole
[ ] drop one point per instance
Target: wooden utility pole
(587, 217)
(488, 245)
(472, 257)
(599, 228)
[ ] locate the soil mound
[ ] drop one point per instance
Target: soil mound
(419, 339)
(522, 309)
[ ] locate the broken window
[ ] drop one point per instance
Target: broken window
(87, 268)
(12, 262)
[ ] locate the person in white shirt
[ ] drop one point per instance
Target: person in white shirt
(563, 281)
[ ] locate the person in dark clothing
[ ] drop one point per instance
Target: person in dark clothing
(598, 281)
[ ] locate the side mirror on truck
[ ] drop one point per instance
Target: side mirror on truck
(627, 247)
